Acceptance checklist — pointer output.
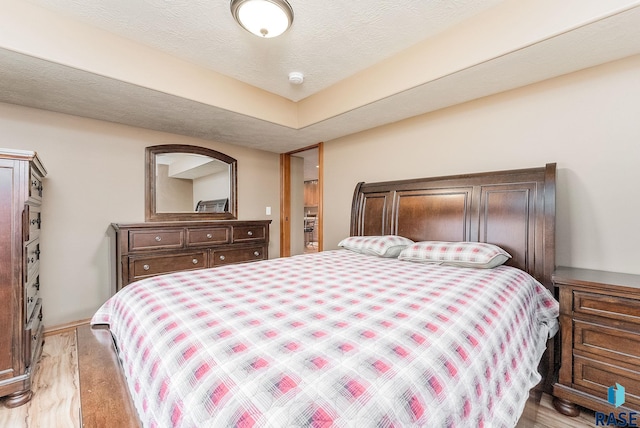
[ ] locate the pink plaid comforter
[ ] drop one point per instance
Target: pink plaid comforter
(335, 339)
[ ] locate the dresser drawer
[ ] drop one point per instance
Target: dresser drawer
(239, 255)
(156, 239)
(171, 246)
(595, 377)
(611, 343)
(248, 233)
(619, 308)
(31, 293)
(149, 266)
(32, 260)
(33, 335)
(207, 236)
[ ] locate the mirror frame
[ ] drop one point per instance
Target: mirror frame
(150, 184)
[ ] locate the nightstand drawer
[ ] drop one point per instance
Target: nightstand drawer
(600, 339)
(149, 266)
(596, 377)
(611, 343)
(620, 308)
(156, 239)
(240, 255)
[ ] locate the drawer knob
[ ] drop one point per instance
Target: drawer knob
(145, 267)
(250, 233)
(30, 299)
(37, 285)
(158, 239)
(34, 337)
(194, 261)
(222, 257)
(209, 236)
(256, 253)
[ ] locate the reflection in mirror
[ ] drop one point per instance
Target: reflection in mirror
(189, 183)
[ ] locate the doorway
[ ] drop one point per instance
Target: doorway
(301, 201)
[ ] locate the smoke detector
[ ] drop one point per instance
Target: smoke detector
(296, 78)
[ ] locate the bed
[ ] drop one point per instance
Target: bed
(347, 338)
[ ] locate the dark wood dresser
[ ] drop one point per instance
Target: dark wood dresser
(154, 248)
(600, 340)
(21, 339)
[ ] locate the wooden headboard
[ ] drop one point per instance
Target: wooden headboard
(512, 209)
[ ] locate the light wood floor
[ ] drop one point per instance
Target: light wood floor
(56, 400)
(56, 392)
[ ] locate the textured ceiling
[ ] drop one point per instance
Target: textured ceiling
(349, 52)
(328, 41)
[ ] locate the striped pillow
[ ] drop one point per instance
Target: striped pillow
(463, 254)
(382, 246)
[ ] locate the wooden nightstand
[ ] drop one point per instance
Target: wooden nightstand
(600, 340)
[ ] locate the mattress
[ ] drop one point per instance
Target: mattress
(333, 339)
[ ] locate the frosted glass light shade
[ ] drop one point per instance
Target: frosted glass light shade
(264, 18)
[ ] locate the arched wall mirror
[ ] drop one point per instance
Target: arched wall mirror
(189, 183)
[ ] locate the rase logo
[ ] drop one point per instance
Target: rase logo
(615, 397)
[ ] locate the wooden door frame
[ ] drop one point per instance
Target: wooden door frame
(285, 198)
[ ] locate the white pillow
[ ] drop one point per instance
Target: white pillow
(463, 254)
(382, 246)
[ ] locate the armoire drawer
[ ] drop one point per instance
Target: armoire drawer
(35, 187)
(248, 233)
(238, 255)
(207, 236)
(33, 335)
(149, 266)
(31, 291)
(156, 239)
(34, 219)
(619, 308)
(31, 260)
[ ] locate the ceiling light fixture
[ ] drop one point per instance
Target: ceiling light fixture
(264, 18)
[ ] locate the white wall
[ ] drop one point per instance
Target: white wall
(172, 194)
(211, 187)
(95, 177)
(588, 122)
